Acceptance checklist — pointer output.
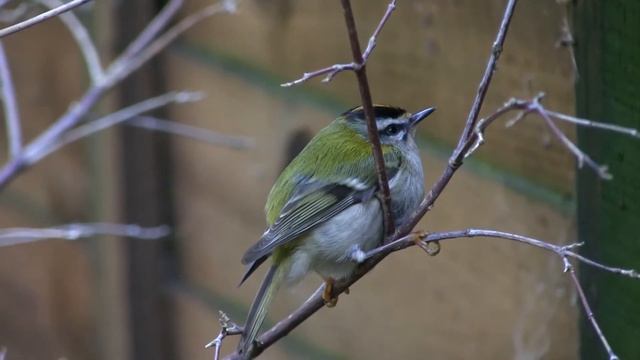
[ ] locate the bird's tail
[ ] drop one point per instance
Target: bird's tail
(258, 311)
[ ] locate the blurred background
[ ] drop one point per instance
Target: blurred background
(111, 298)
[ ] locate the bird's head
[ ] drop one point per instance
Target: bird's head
(395, 125)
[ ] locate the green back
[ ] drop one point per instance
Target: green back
(336, 153)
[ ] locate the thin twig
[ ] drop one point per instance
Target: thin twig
(581, 156)
(367, 107)
(564, 251)
(481, 126)
(42, 17)
(196, 133)
(374, 37)
(587, 309)
(561, 250)
(123, 66)
(119, 70)
(10, 106)
(535, 106)
(14, 236)
(120, 116)
(333, 70)
(152, 30)
(594, 124)
(625, 272)
(81, 35)
(496, 51)
(228, 328)
(456, 158)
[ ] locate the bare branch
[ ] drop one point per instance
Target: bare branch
(535, 106)
(456, 158)
(374, 37)
(10, 106)
(119, 70)
(16, 236)
(81, 35)
(594, 124)
(481, 126)
(42, 17)
(152, 30)
(333, 70)
(496, 51)
(563, 251)
(125, 65)
(625, 272)
(112, 119)
(196, 133)
(315, 302)
(367, 107)
(330, 72)
(418, 238)
(587, 308)
(581, 156)
(228, 328)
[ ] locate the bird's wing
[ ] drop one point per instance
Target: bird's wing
(312, 201)
(311, 205)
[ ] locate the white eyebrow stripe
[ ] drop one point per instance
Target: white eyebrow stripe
(383, 123)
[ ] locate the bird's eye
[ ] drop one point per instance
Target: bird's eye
(392, 129)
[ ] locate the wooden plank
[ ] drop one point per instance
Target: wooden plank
(146, 200)
(608, 55)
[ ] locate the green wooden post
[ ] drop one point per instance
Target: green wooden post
(608, 89)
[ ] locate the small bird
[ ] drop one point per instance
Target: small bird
(323, 212)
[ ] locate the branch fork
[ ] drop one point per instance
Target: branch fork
(228, 328)
(146, 45)
(357, 65)
(534, 105)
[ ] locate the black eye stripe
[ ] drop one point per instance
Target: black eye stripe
(392, 129)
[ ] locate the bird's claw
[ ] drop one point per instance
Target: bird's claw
(327, 294)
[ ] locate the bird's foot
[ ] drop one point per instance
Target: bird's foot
(327, 294)
(432, 248)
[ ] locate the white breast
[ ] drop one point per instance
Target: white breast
(328, 248)
(407, 188)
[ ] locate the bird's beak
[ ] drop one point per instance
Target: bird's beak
(420, 115)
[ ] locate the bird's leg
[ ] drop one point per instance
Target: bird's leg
(327, 293)
(432, 248)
